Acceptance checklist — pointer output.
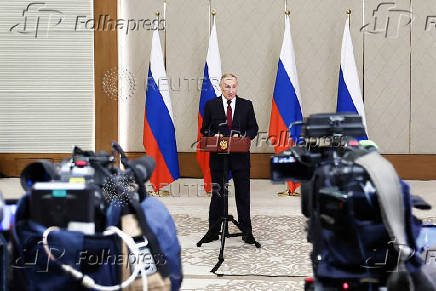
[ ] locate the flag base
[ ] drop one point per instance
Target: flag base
(160, 193)
(287, 193)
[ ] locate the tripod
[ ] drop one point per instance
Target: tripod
(224, 220)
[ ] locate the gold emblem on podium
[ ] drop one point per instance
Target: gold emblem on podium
(223, 145)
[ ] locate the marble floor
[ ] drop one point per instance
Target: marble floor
(281, 263)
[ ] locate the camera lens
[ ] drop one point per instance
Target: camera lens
(41, 171)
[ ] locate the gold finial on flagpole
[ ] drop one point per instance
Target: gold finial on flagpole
(213, 12)
(287, 12)
(157, 13)
(348, 11)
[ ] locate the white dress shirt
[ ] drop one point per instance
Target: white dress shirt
(231, 105)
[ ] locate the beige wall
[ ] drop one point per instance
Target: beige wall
(395, 71)
(387, 83)
(423, 64)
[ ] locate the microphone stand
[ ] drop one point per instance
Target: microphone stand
(225, 218)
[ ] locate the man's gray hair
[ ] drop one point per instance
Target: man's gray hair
(227, 76)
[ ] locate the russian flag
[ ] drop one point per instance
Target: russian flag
(286, 102)
(349, 94)
(210, 89)
(159, 137)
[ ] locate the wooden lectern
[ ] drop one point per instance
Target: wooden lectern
(225, 146)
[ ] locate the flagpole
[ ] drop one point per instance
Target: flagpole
(213, 17)
(157, 15)
(160, 192)
(349, 91)
(348, 12)
(287, 191)
(210, 25)
(363, 52)
(165, 32)
(165, 43)
(287, 11)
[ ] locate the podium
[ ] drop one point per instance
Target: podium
(224, 146)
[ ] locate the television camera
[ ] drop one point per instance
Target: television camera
(75, 193)
(324, 138)
(351, 242)
(93, 209)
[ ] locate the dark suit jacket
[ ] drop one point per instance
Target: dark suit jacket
(244, 123)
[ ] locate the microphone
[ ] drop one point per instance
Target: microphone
(238, 130)
(124, 159)
(143, 167)
(207, 132)
(225, 127)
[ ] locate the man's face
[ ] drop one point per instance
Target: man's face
(229, 88)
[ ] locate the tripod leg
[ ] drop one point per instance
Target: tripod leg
(223, 239)
(217, 266)
(223, 242)
(236, 223)
(225, 218)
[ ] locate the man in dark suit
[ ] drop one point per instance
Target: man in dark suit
(230, 115)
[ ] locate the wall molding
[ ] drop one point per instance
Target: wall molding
(11, 165)
(409, 167)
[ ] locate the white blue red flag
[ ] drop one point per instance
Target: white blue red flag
(210, 89)
(286, 102)
(159, 137)
(349, 94)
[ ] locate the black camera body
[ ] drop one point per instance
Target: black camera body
(320, 160)
(76, 193)
(341, 190)
(337, 195)
(325, 136)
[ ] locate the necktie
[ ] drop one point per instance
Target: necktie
(229, 113)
